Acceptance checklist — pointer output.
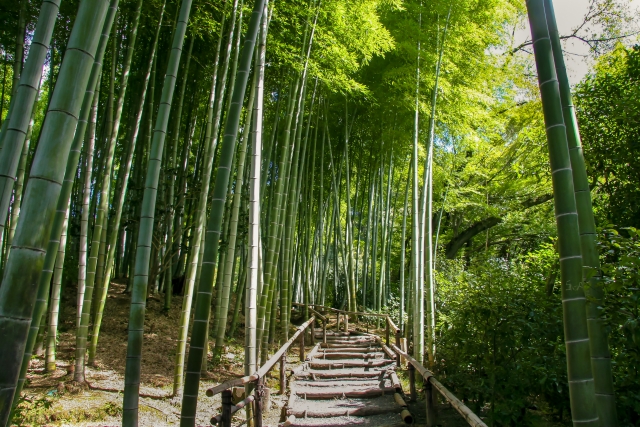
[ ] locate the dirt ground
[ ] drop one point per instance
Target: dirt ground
(53, 399)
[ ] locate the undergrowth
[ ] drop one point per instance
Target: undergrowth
(41, 410)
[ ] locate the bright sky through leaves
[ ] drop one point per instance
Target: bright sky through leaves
(570, 14)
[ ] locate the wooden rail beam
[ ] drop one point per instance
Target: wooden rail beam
(462, 409)
(264, 369)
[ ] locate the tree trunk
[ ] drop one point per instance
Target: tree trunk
(22, 103)
(192, 381)
(195, 257)
(19, 289)
(579, 371)
(54, 304)
(145, 236)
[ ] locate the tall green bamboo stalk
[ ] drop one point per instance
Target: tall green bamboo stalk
(126, 163)
(194, 258)
(351, 278)
(385, 232)
(196, 348)
(18, 59)
(367, 240)
(178, 225)
(89, 149)
(579, 372)
(54, 305)
(598, 339)
(145, 234)
(233, 231)
(416, 253)
(427, 206)
(22, 103)
(83, 324)
(403, 250)
(22, 168)
(62, 206)
(274, 231)
(224, 240)
(19, 286)
(377, 212)
(293, 194)
(142, 163)
(291, 201)
(172, 179)
(125, 168)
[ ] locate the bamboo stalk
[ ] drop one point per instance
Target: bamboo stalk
(214, 225)
(145, 235)
(579, 371)
(19, 291)
(598, 339)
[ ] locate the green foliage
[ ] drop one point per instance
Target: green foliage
(609, 117)
(499, 337)
(32, 410)
(347, 36)
(6, 83)
(47, 408)
(621, 270)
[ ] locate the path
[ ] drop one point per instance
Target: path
(348, 381)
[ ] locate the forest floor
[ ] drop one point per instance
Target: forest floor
(54, 399)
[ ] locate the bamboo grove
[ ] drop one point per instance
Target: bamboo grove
(235, 157)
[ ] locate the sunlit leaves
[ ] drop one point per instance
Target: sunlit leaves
(609, 117)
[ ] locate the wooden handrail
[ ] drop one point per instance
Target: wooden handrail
(228, 409)
(466, 413)
(426, 374)
(392, 325)
(231, 383)
(318, 314)
(336, 310)
(264, 369)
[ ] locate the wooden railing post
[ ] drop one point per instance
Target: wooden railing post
(302, 347)
(431, 412)
(338, 321)
(258, 404)
(398, 338)
(313, 332)
(283, 376)
(226, 409)
(386, 332)
(346, 322)
(412, 382)
(324, 331)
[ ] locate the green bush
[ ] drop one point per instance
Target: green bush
(500, 339)
(621, 270)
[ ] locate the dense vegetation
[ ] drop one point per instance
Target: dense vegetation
(377, 155)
